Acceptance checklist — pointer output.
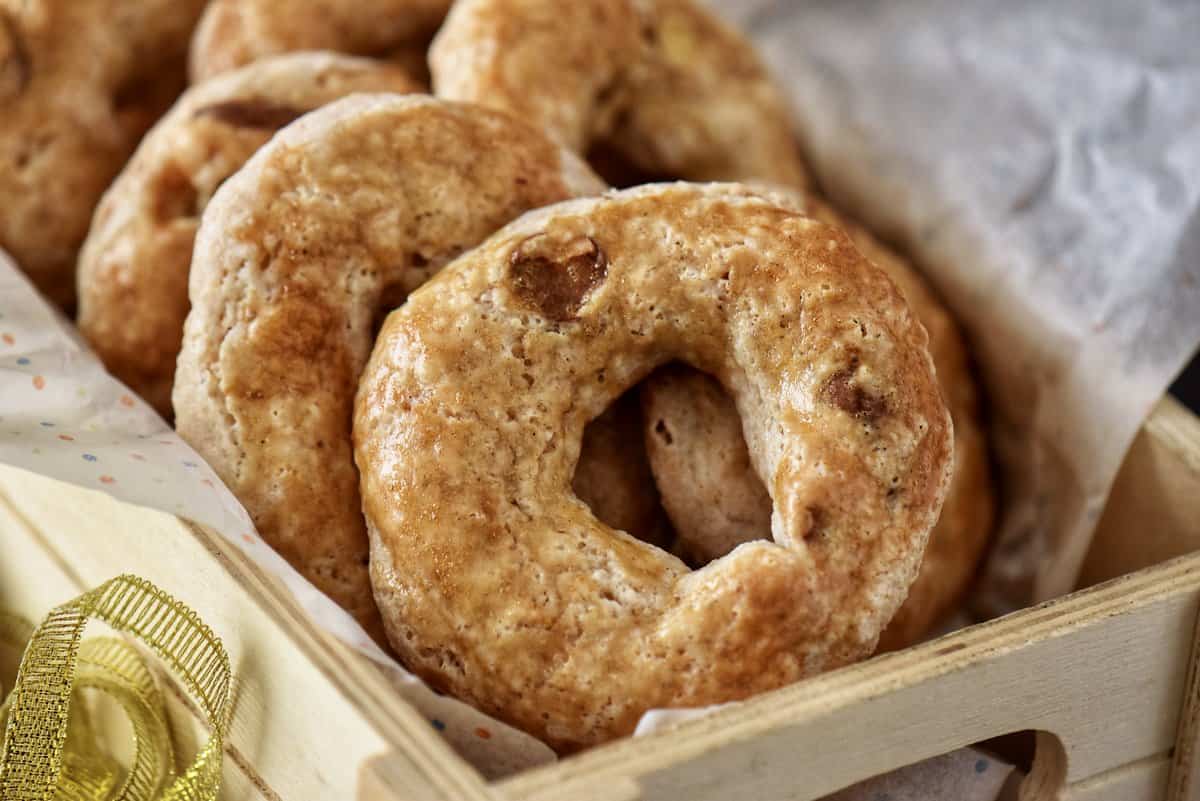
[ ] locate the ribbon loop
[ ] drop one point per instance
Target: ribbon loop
(50, 747)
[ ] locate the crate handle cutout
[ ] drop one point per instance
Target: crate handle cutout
(48, 749)
(1048, 775)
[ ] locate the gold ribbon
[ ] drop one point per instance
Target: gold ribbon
(51, 748)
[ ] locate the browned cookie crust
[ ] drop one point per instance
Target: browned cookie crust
(716, 501)
(237, 32)
(961, 536)
(662, 84)
(80, 81)
(497, 584)
(295, 260)
(133, 268)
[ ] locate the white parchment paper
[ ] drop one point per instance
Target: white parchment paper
(1041, 160)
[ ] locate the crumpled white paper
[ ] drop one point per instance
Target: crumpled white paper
(1041, 160)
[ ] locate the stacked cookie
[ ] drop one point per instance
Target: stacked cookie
(664, 446)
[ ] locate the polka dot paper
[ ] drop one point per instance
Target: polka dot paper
(63, 416)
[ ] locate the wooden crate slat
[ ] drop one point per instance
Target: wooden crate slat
(1184, 783)
(1144, 780)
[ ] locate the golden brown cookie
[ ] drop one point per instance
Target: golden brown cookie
(649, 91)
(133, 267)
(80, 82)
(497, 584)
(297, 257)
(716, 501)
(237, 32)
(660, 84)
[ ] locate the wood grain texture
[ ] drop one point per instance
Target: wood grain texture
(1184, 782)
(1144, 780)
(1153, 511)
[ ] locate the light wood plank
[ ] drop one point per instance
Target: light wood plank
(1184, 784)
(1144, 780)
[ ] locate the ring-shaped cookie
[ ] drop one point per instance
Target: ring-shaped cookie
(662, 84)
(237, 32)
(498, 585)
(716, 502)
(80, 82)
(297, 257)
(133, 266)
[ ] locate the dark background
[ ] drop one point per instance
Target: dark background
(1187, 387)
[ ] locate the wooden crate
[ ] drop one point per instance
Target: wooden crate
(1102, 675)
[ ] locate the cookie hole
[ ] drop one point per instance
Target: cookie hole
(139, 100)
(174, 196)
(613, 478)
(816, 528)
(620, 171)
(699, 458)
